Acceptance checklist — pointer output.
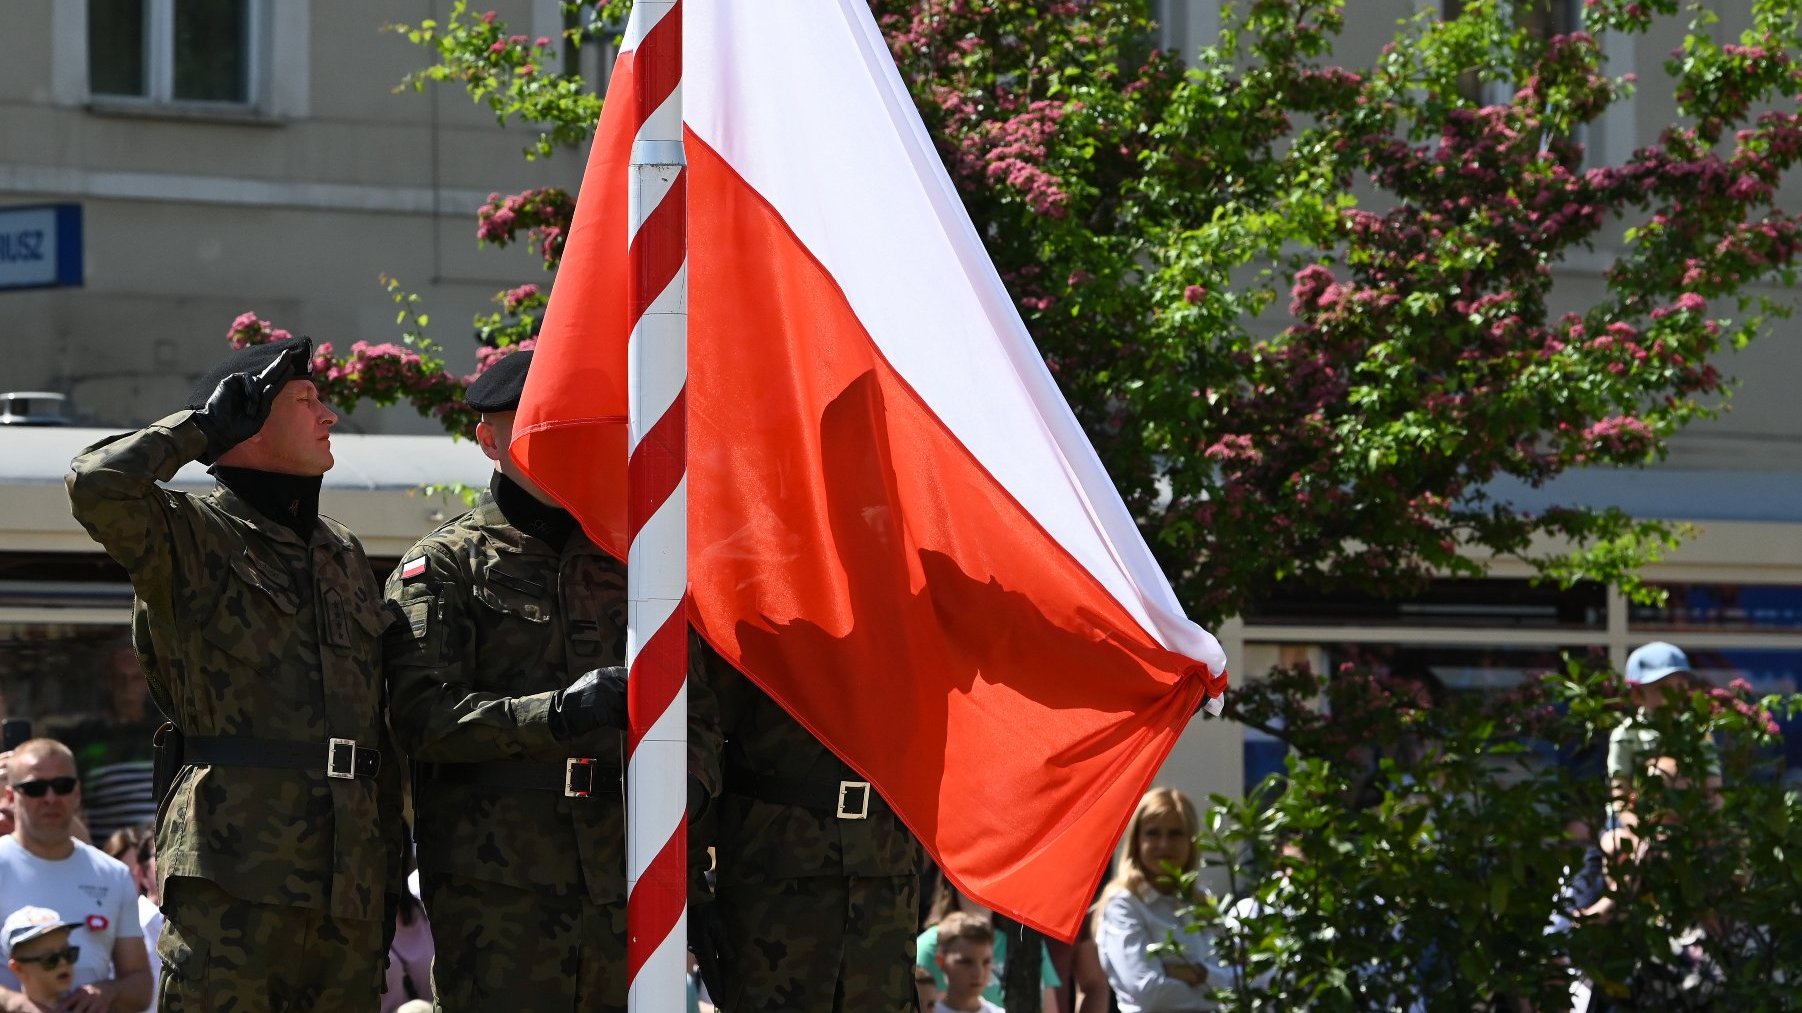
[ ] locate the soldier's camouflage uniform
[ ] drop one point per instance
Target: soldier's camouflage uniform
(820, 908)
(273, 879)
(525, 889)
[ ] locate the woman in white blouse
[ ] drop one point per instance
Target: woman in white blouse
(1141, 908)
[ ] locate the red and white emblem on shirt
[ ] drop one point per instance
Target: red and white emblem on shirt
(412, 567)
(97, 923)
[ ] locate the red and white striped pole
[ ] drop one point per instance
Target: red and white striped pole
(657, 519)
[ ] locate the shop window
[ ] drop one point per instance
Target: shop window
(1486, 602)
(173, 51)
(1721, 607)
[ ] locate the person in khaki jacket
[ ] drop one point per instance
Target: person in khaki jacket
(512, 710)
(261, 630)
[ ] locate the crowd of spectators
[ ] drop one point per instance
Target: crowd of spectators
(81, 922)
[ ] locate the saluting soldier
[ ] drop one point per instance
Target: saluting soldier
(260, 625)
(817, 880)
(512, 711)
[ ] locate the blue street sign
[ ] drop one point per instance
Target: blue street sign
(40, 246)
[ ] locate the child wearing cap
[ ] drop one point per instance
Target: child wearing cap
(38, 951)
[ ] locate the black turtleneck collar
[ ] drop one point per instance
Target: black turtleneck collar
(290, 500)
(525, 512)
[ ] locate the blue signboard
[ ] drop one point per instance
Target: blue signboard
(40, 246)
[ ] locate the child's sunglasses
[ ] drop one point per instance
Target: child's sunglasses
(54, 959)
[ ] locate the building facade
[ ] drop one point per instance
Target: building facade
(220, 157)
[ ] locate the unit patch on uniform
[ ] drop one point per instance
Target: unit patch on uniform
(411, 568)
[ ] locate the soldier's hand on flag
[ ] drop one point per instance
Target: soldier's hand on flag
(596, 700)
(707, 937)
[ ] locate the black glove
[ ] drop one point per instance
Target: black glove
(390, 922)
(240, 404)
(596, 700)
(707, 938)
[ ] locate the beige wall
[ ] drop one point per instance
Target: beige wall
(294, 213)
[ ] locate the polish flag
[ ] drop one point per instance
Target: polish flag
(896, 526)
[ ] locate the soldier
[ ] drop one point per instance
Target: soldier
(518, 754)
(259, 625)
(818, 880)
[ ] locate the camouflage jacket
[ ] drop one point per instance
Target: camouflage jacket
(765, 839)
(243, 630)
(503, 620)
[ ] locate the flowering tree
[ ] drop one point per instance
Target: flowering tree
(1418, 852)
(1303, 310)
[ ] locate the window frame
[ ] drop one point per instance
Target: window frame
(159, 67)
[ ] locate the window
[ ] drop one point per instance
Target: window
(1541, 19)
(173, 51)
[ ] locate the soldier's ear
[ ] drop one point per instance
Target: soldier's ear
(485, 439)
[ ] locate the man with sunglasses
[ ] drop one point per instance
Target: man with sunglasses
(260, 627)
(43, 866)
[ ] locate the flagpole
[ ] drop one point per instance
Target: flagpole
(657, 522)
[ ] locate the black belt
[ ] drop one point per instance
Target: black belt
(576, 777)
(333, 757)
(848, 800)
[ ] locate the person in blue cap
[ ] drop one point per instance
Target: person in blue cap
(1657, 674)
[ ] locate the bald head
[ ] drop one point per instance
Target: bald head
(32, 753)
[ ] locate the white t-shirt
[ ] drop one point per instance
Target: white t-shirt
(89, 886)
(987, 1007)
(150, 919)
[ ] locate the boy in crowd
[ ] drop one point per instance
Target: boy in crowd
(38, 951)
(966, 955)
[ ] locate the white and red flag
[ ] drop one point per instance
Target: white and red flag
(896, 526)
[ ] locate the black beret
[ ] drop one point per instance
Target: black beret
(498, 389)
(253, 360)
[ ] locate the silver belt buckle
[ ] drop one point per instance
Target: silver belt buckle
(348, 770)
(863, 801)
(582, 787)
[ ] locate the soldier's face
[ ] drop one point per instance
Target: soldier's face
(50, 817)
(296, 439)
(494, 434)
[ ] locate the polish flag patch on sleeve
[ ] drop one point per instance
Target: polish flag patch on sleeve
(411, 568)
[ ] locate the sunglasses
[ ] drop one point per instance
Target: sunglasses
(36, 789)
(54, 959)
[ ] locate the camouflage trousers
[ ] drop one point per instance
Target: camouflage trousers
(225, 955)
(500, 947)
(819, 944)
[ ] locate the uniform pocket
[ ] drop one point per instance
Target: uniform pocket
(253, 615)
(182, 985)
(513, 602)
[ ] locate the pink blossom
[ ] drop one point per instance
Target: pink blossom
(514, 297)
